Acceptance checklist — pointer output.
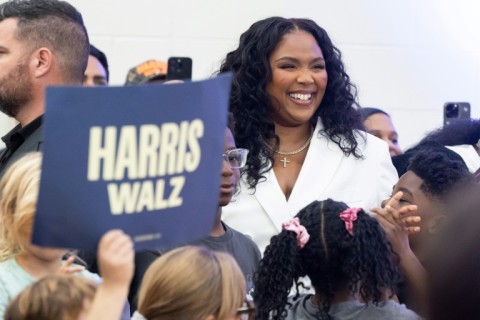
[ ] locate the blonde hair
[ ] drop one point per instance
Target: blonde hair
(192, 283)
(18, 201)
(53, 297)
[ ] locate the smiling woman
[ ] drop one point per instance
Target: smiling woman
(299, 80)
(294, 106)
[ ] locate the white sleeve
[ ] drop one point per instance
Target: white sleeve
(387, 175)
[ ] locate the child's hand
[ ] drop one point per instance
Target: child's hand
(396, 224)
(67, 267)
(116, 258)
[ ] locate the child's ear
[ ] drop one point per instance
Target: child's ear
(436, 223)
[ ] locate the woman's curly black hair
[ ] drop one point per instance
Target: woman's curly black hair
(332, 258)
(249, 101)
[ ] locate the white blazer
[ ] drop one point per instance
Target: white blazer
(326, 173)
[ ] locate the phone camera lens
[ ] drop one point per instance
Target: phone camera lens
(452, 110)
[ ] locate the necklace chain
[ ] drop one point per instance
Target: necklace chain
(289, 153)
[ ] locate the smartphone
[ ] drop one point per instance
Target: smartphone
(453, 111)
(179, 68)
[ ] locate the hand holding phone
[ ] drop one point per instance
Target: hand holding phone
(179, 68)
(453, 111)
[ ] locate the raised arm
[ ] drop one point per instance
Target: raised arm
(116, 264)
(398, 222)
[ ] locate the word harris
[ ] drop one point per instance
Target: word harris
(153, 155)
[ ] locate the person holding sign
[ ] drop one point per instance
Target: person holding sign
(43, 43)
(294, 107)
(70, 297)
(21, 262)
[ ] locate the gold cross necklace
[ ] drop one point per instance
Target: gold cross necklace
(290, 153)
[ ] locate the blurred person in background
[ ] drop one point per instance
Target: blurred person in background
(150, 71)
(97, 73)
(380, 124)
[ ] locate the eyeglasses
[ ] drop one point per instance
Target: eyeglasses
(236, 158)
(247, 311)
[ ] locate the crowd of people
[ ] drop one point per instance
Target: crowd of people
(320, 213)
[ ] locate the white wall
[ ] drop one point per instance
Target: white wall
(407, 57)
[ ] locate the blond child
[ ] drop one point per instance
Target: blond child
(192, 283)
(21, 262)
(69, 297)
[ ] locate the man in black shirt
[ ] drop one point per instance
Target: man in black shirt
(42, 43)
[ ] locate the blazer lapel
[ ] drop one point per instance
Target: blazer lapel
(321, 163)
(272, 199)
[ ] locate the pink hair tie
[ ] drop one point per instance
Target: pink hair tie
(302, 233)
(348, 216)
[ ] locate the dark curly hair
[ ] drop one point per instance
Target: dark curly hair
(458, 132)
(440, 173)
(332, 258)
(249, 101)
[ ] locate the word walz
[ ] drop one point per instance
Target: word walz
(145, 151)
(135, 197)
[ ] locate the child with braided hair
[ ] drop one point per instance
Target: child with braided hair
(348, 259)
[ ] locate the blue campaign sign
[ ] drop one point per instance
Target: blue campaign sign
(144, 159)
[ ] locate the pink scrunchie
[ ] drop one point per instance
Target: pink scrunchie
(348, 216)
(302, 233)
